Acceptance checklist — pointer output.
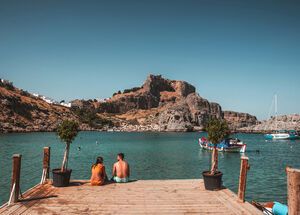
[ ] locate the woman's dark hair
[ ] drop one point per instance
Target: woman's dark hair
(98, 160)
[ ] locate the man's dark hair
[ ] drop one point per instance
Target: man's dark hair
(121, 155)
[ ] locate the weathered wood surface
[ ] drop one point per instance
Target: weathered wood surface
(15, 177)
(46, 161)
(243, 178)
(293, 187)
(139, 197)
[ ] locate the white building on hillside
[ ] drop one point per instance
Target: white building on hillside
(52, 101)
(66, 104)
(48, 100)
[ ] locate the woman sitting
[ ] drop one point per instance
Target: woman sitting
(98, 177)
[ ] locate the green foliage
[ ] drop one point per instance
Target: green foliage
(22, 109)
(217, 130)
(8, 85)
(89, 116)
(134, 89)
(67, 131)
(25, 93)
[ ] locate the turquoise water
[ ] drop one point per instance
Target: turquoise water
(153, 156)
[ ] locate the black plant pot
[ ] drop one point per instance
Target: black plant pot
(212, 182)
(61, 179)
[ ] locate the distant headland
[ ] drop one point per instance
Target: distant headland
(158, 105)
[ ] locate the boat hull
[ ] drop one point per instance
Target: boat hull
(281, 136)
(236, 148)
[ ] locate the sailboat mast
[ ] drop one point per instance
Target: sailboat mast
(275, 97)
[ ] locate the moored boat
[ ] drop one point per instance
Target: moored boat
(227, 145)
(280, 134)
(283, 135)
(271, 208)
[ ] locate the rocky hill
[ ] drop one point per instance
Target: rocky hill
(162, 105)
(20, 111)
(158, 105)
(284, 122)
(237, 120)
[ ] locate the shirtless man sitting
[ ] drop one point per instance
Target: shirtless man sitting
(121, 170)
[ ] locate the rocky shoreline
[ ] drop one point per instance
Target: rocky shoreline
(136, 128)
(132, 128)
(283, 122)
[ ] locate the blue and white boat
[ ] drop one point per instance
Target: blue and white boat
(227, 145)
(282, 135)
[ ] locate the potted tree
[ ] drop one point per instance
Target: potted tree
(67, 131)
(217, 131)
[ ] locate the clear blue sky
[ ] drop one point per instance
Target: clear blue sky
(236, 53)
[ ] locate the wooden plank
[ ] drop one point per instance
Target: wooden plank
(140, 197)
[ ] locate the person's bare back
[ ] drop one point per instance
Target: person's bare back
(121, 170)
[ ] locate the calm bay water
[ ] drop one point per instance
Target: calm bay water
(153, 156)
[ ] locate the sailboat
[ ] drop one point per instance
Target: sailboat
(281, 134)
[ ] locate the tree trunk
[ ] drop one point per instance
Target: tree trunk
(214, 161)
(64, 165)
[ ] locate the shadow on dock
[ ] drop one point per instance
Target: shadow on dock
(38, 198)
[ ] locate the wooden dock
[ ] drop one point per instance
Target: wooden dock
(138, 197)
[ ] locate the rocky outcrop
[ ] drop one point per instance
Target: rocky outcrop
(183, 88)
(176, 118)
(80, 103)
(155, 84)
(284, 122)
(238, 120)
(123, 103)
(175, 103)
(201, 110)
(151, 95)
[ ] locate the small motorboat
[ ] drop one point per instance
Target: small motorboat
(227, 145)
(283, 135)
